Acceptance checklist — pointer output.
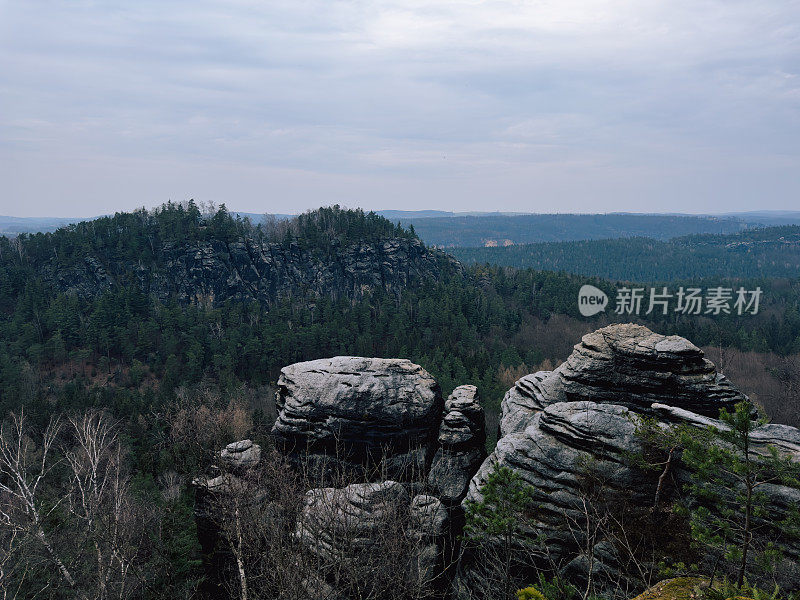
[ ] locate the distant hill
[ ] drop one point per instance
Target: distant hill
(502, 230)
(15, 225)
(763, 252)
(474, 229)
(769, 217)
(177, 253)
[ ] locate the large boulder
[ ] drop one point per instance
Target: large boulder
(375, 416)
(375, 536)
(462, 439)
(576, 456)
(628, 365)
(344, 524)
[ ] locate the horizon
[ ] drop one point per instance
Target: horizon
(765, 212)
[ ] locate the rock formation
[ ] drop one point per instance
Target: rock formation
(628, 365)
(462, 438)
(359, 531)
(349, 413)
(248, 269)
(428, 531)
(213, 497)
(570, 448)
(344, 524)
(242, 455)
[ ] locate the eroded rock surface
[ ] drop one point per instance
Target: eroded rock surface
(339, 524)
(348, 413)
(248, 269)
(462, 438)
(571, 433)
(624, 364)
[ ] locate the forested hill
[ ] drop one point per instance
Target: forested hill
(175, 252)
(485, 230)
(763, 252)
(123, 311)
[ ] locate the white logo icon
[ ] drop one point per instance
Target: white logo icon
(591, 300)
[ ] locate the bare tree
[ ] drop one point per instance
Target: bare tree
(24, 467)
(69, 522)
(99, 500)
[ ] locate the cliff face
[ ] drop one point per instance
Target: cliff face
(247, 269)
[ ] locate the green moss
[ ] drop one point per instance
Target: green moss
(680, 588)
(530, 593)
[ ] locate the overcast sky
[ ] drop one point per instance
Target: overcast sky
(273, 106)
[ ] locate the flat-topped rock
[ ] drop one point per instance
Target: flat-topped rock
(624, 364)
(630, 365)
(358, 411)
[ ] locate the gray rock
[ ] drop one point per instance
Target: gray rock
(427, 529)
(240, 455)
(521, 402)
(213, 271)
(358, 413)
(463, 423)
(628, 365)
(462, 438)
(570, 449)
(342, 524)
(632, 366)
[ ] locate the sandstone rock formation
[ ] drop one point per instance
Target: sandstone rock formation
(570, 434)
(628, 365)
(428, 531)
(214, 497)
(248, 269)
(462, 438)
(241, 455)
(349, 413)
(342, 524)
(359, 531)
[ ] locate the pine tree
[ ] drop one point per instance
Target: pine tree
(728, 482)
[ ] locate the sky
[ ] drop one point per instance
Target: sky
(273, 106)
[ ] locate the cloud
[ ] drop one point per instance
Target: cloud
(595, 105)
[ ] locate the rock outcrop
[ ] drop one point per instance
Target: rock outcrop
(376, 416)
(628, 365)
(214, 497)
(239, 456)
(359, 531)
(345, 524)
(428, 531)
(462, 438)
(248, 269)
(570, 434)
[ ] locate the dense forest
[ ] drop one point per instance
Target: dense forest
(180, 376)
(762, 252)
(463, 326)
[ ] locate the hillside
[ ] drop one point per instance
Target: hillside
(156, 297)
(176, 253)
(763, 252)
